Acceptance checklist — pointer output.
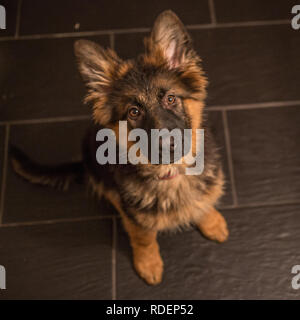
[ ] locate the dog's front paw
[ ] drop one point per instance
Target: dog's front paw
(214, 227)
(149, 265)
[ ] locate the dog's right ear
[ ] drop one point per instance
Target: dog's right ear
(99, 68)
(96, 65)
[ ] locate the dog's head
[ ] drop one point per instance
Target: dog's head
(162, 88)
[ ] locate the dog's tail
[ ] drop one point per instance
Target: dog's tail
(57, 176)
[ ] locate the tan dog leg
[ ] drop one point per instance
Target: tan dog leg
(213, 226)
(146, 257)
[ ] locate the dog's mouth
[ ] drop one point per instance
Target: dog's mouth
(170, 175)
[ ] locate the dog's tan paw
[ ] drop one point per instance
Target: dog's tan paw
(149, 267)
(214, 227)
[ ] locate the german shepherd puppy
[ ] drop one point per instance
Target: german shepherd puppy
(164, 87)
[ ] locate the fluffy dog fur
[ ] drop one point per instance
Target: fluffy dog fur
(167, 86)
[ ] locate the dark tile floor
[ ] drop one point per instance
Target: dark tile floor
(104, 15)
(65, 245)
(252, 10)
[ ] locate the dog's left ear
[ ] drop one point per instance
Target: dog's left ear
(171, 39)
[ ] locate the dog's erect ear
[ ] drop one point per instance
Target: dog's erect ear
(169, 35)
(96, 65)
(99, 68)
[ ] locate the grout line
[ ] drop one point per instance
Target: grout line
(112, 41)
(114, 260)
(200, 26)
(19, 9)
(142, 30)
(46, 120)
(229, 157)
(76, 34)
(54, 221)
(115, 218)
(233, 107)
(212, 11)
(221, 25)
(4, 168)
(258, 105)
(259, 204)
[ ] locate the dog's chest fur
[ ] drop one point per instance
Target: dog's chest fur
(168, 204)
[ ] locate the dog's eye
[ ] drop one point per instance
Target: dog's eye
(134, 112)
(171, 99)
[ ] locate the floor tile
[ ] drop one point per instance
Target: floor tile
(243, 65)
(252, 10)
(130, 45)
(50, 143)
(215, 121)
(57, 261)
(39, 79)
(255, 263)
(266, 154)
(250, 65)
(87, 15)
(11, 9)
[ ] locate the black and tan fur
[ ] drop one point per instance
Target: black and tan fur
(147, 202)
